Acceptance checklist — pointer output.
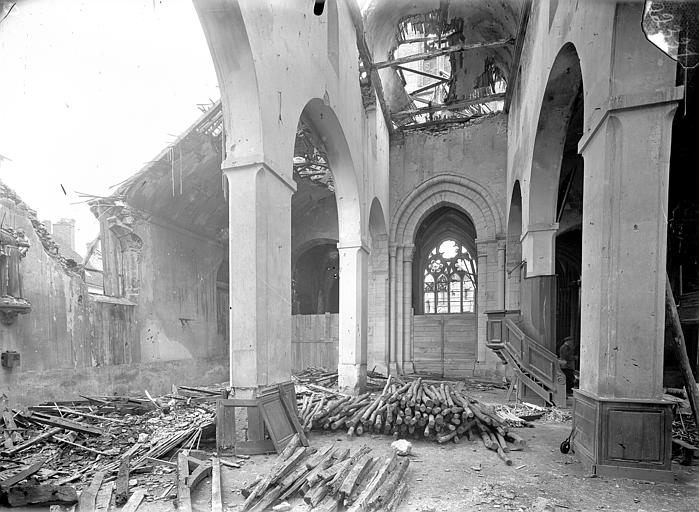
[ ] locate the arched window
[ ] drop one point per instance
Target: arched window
(449, 279)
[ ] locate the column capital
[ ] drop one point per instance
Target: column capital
(230, 172)
(408, 252)
(669, 96)
(354, 244)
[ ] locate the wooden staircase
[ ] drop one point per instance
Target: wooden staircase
(535, 367)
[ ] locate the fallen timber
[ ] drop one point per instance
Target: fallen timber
(417, 409)
(331, 480)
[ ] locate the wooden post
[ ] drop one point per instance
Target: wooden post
(681, 349)
(216, 499)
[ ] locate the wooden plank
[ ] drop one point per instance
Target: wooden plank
(216, 497)
(63, 423)
(225, 426)
(104, 497)
(680, 349)
(184, 499)
(22, 474)
(32, 442)
(122, 482)
(134, 501)
(87, 499)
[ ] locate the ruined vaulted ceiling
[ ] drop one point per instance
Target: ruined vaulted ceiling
(183, 185)
(478, 21)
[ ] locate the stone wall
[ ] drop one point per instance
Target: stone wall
(464, 167)
(75, 343)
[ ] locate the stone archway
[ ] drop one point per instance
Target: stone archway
(479, 204)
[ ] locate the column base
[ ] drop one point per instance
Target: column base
(393, 368)
(624, 437)
(351, 378)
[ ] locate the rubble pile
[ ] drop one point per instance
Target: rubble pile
(330, 480)
(418, 409)
(60, 443)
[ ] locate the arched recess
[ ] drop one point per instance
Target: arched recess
(353, 252)
(315, 277)
(377, 331)
(553, 174)
(229, 45)
(323, 120)
(562, 88)
(514, 249)
(473, 200)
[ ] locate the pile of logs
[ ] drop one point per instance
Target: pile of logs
(330, 480)
(415, 409)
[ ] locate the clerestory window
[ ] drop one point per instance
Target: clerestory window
(449, 279)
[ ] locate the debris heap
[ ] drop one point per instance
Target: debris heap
(416, 409)
(330, 480)
(71, 442)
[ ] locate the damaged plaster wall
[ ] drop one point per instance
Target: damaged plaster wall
(74, 343)
(176, 309)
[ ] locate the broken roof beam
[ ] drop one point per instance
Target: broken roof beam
(457, 105)
(442, 51)
(428, 87)
(422, 73)
(426, 39)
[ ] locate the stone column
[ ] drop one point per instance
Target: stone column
(407, 360)
(500, 294)
(399, 308)
(353, 316)
(623, 425)
(259, 207)
(484, 285)
(392, 364)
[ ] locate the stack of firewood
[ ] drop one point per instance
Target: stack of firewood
(330, 480)
(415, 409)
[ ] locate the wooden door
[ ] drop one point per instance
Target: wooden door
(445, 345)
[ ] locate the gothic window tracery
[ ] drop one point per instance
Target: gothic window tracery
(449, 279)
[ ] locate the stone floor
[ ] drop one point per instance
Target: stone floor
(442, 478)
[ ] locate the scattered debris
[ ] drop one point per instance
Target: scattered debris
(329, 480)
(63, 446)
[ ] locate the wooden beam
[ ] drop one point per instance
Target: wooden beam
(134, 501)
(216, 499)
(21, 475)
(184, 500)
(680, 349)
(365, 54)
(87, 499)
(457, 105)
(443, 51)
(420, 72)
(428, 87)
(427, 38)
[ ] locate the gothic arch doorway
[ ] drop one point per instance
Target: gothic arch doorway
(444, 294)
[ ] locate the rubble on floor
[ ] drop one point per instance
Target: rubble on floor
(330, 480)
(60, 446)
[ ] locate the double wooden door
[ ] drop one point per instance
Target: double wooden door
(445, 344)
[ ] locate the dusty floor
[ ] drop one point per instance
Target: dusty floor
(441, 477)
